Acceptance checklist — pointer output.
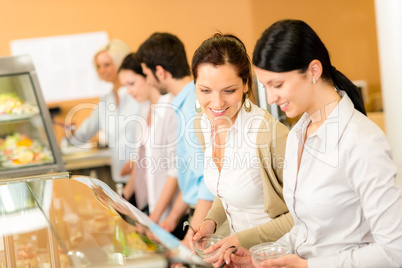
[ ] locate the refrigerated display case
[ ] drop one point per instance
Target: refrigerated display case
(56, 221)
(27, 142)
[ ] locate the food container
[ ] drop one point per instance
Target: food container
(205, 242)
(269, 250)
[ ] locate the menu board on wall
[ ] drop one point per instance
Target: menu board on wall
(64, 64)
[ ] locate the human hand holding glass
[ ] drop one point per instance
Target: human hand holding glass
(287, 261)
(220, 248)
(239, 259)
(206, 227)
(269, 250)
(272, 255)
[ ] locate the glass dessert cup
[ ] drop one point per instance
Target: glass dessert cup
(205, 242)
(266, 251)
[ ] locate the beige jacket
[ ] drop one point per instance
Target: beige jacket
(271, 141)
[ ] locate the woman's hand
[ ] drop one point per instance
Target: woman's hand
(127, 192)
(287, 261)
(188, 239)
(127, 168)
(169, 224)
(242, 258)
(153, 217)
(222, 246)
(206, 227)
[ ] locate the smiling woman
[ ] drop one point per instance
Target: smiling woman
(243, 146)
(220, 93)
(339, 180)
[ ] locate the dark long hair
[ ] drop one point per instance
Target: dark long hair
(289, 45)
(224, 49)
(131, 62)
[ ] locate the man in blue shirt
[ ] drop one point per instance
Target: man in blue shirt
(164, 62)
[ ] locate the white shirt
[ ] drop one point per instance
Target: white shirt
(158, 160)
(118, 123)
(344, 200)
(238, 185)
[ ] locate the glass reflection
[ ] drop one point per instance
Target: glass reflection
(81, 222)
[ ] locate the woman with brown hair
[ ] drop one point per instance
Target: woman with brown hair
(244, 149)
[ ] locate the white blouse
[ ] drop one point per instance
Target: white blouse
(238, 185)
(157, 161)
(119, 122)
(344, 200)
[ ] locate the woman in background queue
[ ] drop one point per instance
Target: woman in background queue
(339, 180)
(114, 114)
(244, 149)
(154, 169)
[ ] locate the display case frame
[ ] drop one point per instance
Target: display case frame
(80, 222)
(20, 65)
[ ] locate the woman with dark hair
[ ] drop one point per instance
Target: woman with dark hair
(244, 149)
(339, 180)
(154, 174)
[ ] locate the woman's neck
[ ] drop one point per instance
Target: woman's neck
(223, 124)
(154, 96)
(325, 102)
(116, 85)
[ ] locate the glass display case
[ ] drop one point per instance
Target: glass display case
(27, 142)
(57, 221)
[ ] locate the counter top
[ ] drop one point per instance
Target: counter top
(87, 159)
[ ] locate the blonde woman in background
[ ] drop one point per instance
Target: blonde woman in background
(115, 113)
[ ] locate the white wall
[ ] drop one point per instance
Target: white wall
(389, 32)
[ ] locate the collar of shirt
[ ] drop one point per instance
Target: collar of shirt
(123, 95)
(182, 96)
(163, 103)
(340, 116)
(122, 92)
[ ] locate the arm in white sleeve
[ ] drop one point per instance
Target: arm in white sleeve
(88, 128)
(289, 239)
(372, 174)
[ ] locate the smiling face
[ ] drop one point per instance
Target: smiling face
(136, 85)
(219, 91)
(105, 67)
(291, 91)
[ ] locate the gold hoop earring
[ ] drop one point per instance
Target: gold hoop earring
(247, 104)
(197, 107)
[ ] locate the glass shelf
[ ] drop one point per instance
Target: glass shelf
(27, 142)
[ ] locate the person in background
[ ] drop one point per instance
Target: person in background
(339, 180)
(164, 62)
(155, 168)
(234, 131)
(115, 112)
